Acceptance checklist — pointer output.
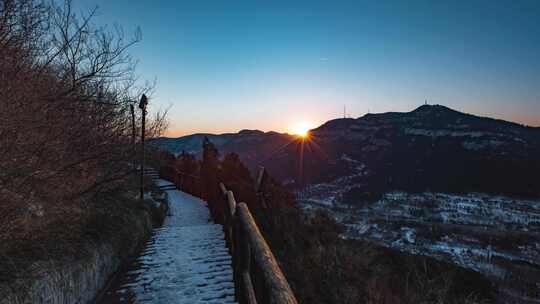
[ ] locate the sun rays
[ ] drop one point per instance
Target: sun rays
(301, 128)
(302, 148)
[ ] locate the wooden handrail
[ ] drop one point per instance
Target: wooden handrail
(276, 287)
(250, 250)
(257, 275)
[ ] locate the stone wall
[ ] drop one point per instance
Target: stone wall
(79, 280)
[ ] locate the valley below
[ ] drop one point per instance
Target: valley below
(497, 236)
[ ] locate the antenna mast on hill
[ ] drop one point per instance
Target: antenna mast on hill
(344, 111)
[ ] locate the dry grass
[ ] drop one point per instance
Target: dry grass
(67, 232)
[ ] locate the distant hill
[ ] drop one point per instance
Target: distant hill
(253, 146)
(431, 148)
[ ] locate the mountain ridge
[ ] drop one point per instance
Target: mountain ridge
(420, 109)
(431, 147)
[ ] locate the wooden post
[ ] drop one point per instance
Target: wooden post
(142, 106)
(259, 186)
(230, 218)
(223, 189)
(261, 177)
(231, 203)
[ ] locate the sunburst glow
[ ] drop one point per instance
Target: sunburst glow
(301, 129)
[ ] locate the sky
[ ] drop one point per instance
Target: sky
(226, 65)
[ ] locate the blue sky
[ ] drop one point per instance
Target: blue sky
(230, 65)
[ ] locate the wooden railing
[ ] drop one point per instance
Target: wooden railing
(184, 181)
(257, 275)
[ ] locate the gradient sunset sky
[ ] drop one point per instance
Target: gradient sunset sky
(227, 65)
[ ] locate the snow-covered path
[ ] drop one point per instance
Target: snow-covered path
(186, 260)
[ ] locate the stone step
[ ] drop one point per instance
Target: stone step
(185, 261)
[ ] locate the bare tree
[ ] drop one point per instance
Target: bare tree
(65, 125)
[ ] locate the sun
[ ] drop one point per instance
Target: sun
(301, 129)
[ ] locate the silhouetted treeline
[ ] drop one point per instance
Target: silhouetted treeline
(321, 266)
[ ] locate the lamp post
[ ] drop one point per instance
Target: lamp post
(142, 105)
(132, 109)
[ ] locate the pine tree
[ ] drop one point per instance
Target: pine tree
(188, 169)
(234, 169)
(209, 180)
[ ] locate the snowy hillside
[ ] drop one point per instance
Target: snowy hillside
(495, 235)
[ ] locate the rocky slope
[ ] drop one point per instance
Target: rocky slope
(431, 148)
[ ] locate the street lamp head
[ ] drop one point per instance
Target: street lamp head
(143, 103)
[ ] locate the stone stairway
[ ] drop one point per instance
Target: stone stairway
(185, 261)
